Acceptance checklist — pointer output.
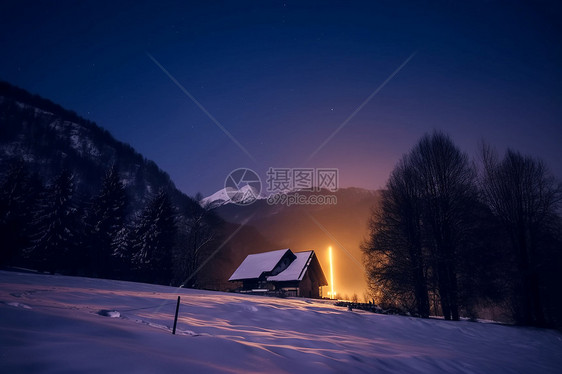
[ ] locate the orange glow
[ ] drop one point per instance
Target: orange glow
(332, 294)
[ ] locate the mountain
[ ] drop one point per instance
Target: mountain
(244, 196)
(75, 200)
(343, 225)
(46, 139)
(49, 138)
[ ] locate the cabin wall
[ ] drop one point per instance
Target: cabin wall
(252, 284)
(249, 284)
(290, 289)
(309, 287)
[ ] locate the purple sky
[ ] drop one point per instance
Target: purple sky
(282, 77)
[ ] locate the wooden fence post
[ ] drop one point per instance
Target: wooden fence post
(176, 317)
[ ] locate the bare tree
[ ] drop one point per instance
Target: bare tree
(394, 256)
(424, 224)
(526, 198)
(447, 181)
(199, 234)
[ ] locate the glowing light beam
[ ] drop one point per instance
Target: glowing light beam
(332, 294)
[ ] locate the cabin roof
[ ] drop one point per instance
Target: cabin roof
(296, 270)
(255, 265)
(280, 266)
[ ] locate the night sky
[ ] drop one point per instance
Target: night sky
(281, 77)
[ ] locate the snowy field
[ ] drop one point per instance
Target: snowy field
(52, 324)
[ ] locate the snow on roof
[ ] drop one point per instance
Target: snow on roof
(296, 270)
(254, 265)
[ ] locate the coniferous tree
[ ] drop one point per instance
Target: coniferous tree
(121, 255)
(104, 222)
(57, 238)
(154, 240)
(18, 196)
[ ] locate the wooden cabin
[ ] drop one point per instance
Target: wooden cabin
(281, 272)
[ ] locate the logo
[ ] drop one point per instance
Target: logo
(243, 186)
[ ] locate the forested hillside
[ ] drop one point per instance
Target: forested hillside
(75, 200)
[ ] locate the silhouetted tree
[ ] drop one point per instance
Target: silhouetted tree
(449, 193)
(526, 198)
(423, 233)
(395, 261)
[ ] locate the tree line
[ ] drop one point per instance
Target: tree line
(452, 236)
(48, 226)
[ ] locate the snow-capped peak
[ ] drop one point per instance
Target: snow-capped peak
(243, 196)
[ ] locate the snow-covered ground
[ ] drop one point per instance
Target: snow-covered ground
(68, 325)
